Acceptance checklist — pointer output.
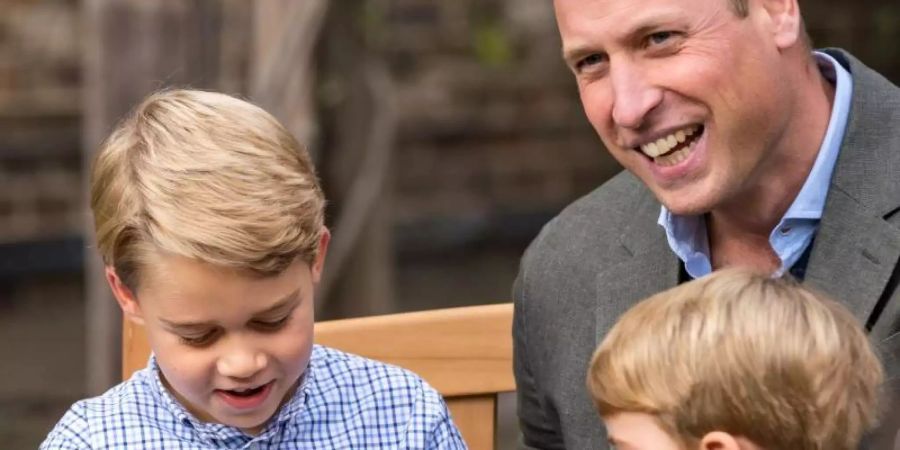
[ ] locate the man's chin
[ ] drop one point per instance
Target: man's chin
(685, 206)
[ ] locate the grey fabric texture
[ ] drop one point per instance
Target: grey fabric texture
(605, 252)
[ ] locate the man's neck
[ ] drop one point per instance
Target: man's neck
(740, 229)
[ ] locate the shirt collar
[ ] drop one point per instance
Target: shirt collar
(687, 235)
(810, 201)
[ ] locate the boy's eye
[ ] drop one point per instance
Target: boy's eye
(201, 340)
(271, 325)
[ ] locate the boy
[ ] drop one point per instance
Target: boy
(209, 219)
(736, 361)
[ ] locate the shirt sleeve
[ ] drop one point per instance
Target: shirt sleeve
(430, 426)
(445, 435)
(70, 433)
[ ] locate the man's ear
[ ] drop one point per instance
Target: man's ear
(783, 21)
(720, 440)
(125, 297)
(319, 262)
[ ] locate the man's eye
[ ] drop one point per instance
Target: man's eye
(271, 325)
(589, 61)
(201, 340)
(660, 37)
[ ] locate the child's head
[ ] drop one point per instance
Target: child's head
(734, 361)
(209, 219)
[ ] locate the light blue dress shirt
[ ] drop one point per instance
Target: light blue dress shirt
(795, 231)
(344, 402)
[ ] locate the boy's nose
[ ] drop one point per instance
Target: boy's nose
(241, 364)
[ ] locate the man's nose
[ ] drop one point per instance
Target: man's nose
(634, 95)
(241, 361)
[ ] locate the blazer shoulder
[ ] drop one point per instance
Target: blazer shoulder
(594, 218)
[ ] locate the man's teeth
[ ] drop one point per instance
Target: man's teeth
(665, 144)
(675, 158)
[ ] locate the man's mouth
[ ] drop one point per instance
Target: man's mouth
(674, 148)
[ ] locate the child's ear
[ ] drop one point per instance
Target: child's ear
(319, 263)
(720, 440)
(124, 297)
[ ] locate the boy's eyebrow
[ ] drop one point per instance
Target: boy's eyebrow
(288, 301)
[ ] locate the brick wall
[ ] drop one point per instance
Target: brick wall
(40, 170)
(490, 121)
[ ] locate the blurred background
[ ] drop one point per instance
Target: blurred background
(446, 134)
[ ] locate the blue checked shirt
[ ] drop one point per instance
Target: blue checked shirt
(344, 402)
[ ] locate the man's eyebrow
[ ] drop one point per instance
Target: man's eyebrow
(638, 29)
(574, 53)
(286, 302)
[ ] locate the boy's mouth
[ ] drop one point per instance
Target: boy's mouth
(245, 398)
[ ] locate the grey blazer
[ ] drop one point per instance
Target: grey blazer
(605, 252)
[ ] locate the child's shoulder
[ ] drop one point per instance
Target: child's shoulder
(130, 405)
(362, 379)
(335, 367)
(379, 405)
(131, 395)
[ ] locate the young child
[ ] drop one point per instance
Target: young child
(736, 361)
(209, 219)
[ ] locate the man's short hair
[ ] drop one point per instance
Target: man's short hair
(762, 358)
(205, 176)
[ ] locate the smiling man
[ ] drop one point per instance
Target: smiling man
(742, 147)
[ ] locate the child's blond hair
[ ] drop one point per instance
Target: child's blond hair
(762, 358)
(205, 176)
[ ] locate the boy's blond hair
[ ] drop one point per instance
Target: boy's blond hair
(205, 176)
(746, 354)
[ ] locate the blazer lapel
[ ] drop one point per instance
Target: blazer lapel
(854, 255)
(856, 249)
(650, 267)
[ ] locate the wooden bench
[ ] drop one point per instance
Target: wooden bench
(465, 353)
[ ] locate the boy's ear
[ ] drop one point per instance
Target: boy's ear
(319, 263)
(720, 440)
(124, 297)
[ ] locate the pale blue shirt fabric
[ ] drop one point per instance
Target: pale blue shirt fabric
(343, 402)
(687, 234)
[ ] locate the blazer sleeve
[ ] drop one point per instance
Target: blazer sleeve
(538, 422)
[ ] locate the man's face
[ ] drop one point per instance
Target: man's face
(231, 345)
(684, 93)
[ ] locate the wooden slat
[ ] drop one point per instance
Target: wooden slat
(459, 351)
(476, 419)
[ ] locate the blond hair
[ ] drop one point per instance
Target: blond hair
(746, 354)
(205, 176)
